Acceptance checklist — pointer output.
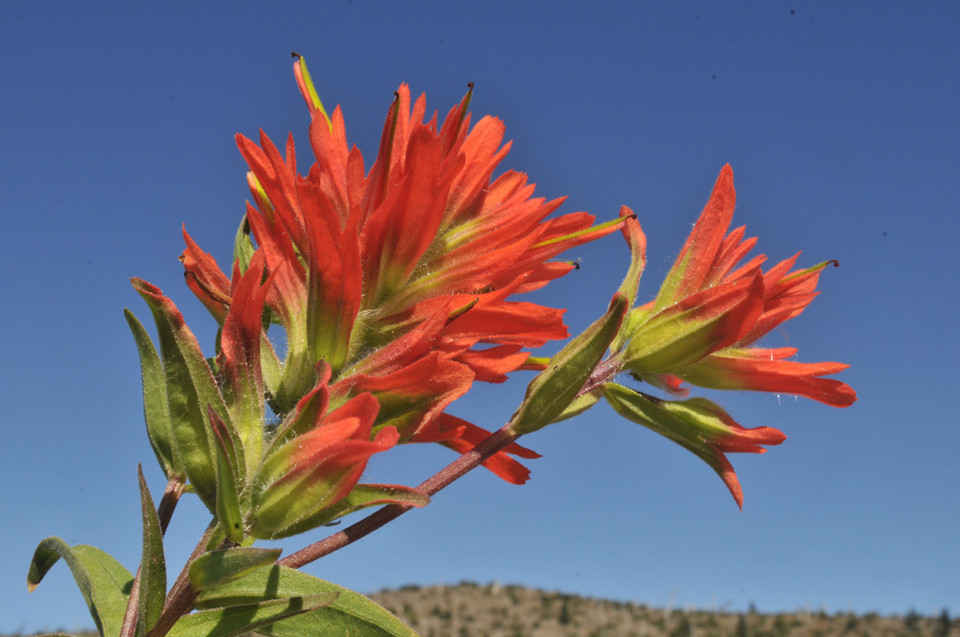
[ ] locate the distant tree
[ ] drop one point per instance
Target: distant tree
(682, 629)
(852, 622)
(780, 625)
(912, 621)
(564, 618)
(742, 626)
(942, 629)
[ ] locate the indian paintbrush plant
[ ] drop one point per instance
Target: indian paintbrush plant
(395, 288)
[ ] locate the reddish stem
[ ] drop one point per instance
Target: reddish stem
(443, 478)
(171, 495)
(182, 594)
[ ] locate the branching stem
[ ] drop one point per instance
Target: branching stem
(490, 445)
(182, 594)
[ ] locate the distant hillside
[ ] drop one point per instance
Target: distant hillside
(472, 610)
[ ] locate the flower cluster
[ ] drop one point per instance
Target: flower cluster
(393, 287)
(359, 305)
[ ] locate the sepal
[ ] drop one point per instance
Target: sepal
(307, 89)
(698, 425)
(700, 324)
(362, 497)
(637, 241)
(294, 495)
(552, 391)
(315, 470)
(243, 247)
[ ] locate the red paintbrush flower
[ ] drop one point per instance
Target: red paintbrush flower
(708, 312)
(710, 309)
(309, 474)
(399, 278)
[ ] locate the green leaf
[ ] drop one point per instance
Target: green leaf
(694, 424)
(361, 497)
(237, 620)
(103, 581)
(270, 367)
(579, 405)
(156, 411)
(226, 565)
(153, 569)
(191, 389)
(242, 245)
(555, 388)
(351, 613)
(230, 465)
(228, 502)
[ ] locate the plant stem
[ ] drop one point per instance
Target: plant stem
(443, 478)
(182, 594)
(171, 495)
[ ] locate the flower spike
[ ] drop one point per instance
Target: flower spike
(401, 280)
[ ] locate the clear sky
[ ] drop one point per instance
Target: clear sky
(841, 123)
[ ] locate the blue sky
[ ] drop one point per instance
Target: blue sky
(840, 121)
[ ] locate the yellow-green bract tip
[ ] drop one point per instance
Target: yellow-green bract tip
(307, 88)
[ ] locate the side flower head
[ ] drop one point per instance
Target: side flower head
(710, 310)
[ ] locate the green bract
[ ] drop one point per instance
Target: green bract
(557, 387)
